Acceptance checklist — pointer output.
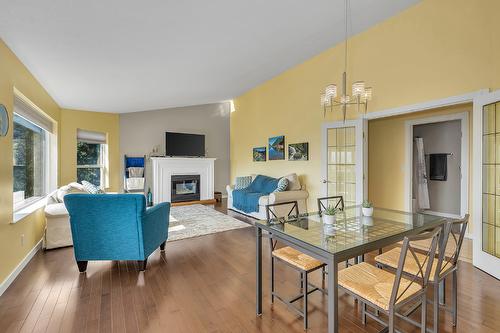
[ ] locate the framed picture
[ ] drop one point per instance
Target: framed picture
(277, 148)
(259, 154)
(298, 151)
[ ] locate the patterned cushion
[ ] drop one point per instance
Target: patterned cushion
(91, 188)
(242, 182)
(282, 185)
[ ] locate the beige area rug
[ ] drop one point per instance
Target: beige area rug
(198, 220)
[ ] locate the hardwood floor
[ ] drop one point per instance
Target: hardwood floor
(204, 284)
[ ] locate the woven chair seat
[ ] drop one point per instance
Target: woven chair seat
(297, 258)
(391, 259)
(374, 284)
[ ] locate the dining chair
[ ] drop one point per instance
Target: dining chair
(387, 292)
(338, 202)
(293, 258)
(444, 266)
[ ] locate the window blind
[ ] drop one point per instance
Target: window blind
(32, 114)
(90, 137)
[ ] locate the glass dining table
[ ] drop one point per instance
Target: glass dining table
(351, 236)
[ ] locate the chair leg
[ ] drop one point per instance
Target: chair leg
(454, 298)
(435, 308)
(391, 321)
(423, 323)
(380, 251)
(442, 292)
(142, 264)
(305, 300)
(162, 246)
(323, 273)
(363, 313)
(272, 279)
(301, 281)
(82, 266)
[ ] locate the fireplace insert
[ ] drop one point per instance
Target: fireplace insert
(185, 188)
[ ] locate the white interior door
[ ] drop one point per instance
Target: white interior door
(343, 160)
(486, 184)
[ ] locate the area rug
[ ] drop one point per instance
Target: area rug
(198, 220)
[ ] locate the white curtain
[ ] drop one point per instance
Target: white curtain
(421, 176)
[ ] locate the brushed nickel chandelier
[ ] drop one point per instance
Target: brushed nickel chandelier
(360, 94)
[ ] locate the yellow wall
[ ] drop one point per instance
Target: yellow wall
(14, 74)
(108, 123)
(435, 49)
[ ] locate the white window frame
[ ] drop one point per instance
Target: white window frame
(32, 113)
(102, 166)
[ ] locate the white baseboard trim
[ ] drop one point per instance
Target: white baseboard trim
(12, 276)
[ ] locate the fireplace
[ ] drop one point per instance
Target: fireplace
(185, 188)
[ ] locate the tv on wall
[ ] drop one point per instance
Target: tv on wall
(184, 144)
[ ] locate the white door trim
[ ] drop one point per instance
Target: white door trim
(480, 259)
(464, 163)
(360, 152)
(434, 104)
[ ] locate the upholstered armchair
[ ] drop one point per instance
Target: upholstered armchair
(116, 227)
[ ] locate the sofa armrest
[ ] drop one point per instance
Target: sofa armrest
(229, 189)
(155, 223)
(277, 197)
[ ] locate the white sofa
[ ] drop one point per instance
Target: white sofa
(58, 229)
(295, 192)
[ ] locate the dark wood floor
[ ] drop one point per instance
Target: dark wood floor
(205, 284)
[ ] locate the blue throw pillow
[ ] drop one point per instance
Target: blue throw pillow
(282, 185)
(91, 188)
(242, 182)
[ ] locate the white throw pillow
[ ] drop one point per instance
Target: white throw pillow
(293, 182)
(70, 188)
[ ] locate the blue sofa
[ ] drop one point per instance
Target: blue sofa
(247, 199)
(116, 227)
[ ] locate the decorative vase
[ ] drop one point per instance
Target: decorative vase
(328, 230)
(367, 211)
(367, 221)
(329, 219)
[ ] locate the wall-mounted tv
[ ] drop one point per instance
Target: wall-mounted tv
(184, 144)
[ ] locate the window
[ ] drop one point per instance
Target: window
(91, 158)
(31, 152)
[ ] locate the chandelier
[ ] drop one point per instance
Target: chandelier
(360, 94)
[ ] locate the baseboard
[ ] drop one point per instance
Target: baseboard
(12, 276)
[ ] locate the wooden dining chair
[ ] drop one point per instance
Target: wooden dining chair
(387, 292)
(444, 266)
(293, 258)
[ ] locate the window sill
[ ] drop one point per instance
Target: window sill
(21, 213)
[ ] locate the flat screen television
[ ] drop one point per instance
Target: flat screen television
(184, 144)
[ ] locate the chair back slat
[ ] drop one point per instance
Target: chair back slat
(424, 263)
(454, 234)
(275, 211)
(338, 202)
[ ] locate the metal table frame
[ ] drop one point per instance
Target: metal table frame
(330, 259)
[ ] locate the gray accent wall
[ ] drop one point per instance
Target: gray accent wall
(442, 137)
(140, 132)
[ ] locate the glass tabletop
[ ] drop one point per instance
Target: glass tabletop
(351, 229)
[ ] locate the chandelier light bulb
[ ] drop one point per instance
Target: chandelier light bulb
(331, 91)
(345, 99)
(358, 88)
(368, 93)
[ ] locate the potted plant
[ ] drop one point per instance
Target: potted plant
(367, 208)
(329, 215)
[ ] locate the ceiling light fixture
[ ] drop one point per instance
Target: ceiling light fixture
(360, 95)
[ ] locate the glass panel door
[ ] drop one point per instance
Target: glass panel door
(341, 172)
(485, 220)
(343, 147)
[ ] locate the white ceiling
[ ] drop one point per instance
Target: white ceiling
(132, 55)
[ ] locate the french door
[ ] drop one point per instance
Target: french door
(486, 222)
(343, 160)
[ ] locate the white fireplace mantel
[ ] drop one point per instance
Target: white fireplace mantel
(163, 168)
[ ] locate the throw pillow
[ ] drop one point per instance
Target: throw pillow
(91, 188)
(242, 182)
(293, 182)
(282, 185)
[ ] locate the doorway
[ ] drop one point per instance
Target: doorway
(437, 165)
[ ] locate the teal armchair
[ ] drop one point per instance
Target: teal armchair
(116, 227)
